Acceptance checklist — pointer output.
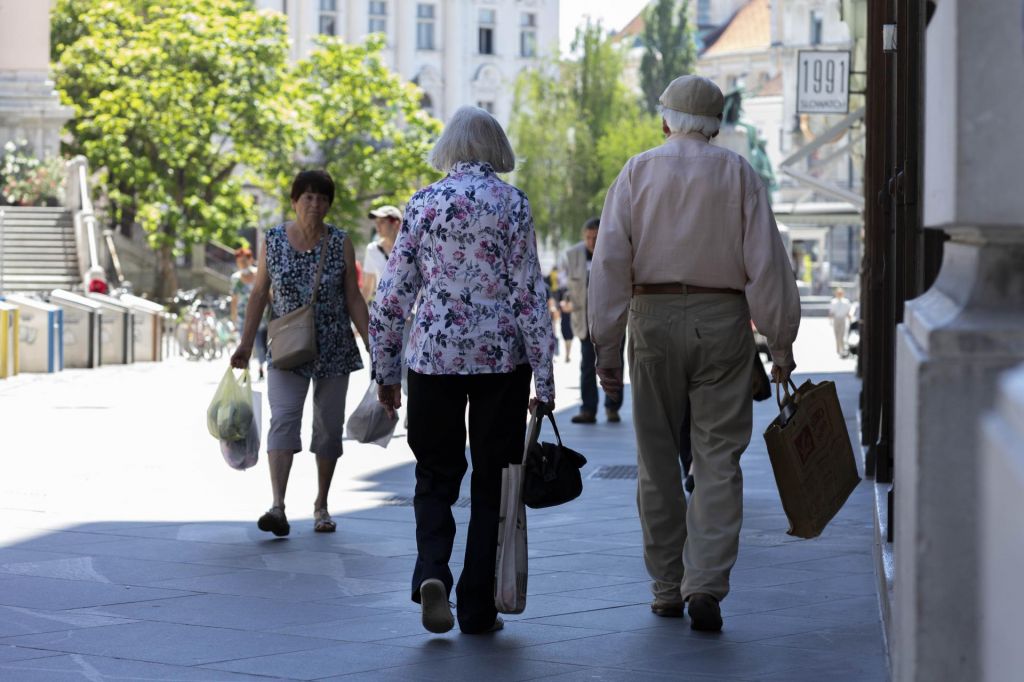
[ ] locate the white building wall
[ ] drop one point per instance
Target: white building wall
(454, 73)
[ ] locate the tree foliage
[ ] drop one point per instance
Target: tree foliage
(184, 105)
(574, 126)
(669, 50)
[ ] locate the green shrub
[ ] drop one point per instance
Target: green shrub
(28, 181)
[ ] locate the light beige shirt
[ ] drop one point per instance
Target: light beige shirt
(690, 212)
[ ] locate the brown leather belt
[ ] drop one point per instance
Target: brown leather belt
(677, 288)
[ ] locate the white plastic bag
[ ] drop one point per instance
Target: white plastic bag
(370, 422)
(230, 413)
(244, 454)
(511, 567)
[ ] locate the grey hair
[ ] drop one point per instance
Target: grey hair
(679, 122)
(472, 134)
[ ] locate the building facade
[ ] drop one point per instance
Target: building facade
(30, 108)
(457, 51)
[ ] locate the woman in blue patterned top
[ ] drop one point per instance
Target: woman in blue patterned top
(467, 251)
(288, 264)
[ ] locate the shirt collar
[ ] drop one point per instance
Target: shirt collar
(694, 136)
(471, 168)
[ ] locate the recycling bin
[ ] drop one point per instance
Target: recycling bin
(8, 340)
(116, 330)
(83, 319)
(41, 339)
(147, 333)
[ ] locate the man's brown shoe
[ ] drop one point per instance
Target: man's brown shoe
(612, 416)
(584, 417)
(705, 614)
(667, 609)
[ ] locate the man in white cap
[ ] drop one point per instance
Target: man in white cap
(690, 252)
(388, 221)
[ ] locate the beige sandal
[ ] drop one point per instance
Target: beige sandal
(322, 521)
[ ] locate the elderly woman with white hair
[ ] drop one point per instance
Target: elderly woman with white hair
(467, 251)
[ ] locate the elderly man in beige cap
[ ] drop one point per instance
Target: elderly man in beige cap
(689, 251)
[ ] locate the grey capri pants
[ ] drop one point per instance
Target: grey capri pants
(286, 393)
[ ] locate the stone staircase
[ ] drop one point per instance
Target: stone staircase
(38, 249)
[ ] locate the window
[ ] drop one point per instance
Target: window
(424, 26)
(703, 13)
(329, 17)
(486, 32)
(378, 17)
(816, 28)
(487, 106)
(527, 34)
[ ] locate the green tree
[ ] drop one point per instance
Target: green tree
(175, 100)
(574, 125)
(363, 124)
(669, 50)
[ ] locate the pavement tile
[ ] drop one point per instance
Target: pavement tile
(856, 668)
(619, 649)
(516, 635)
(229, 611)
(66, 668)
(16, 620)
(158, 549)
(848, 611)
(762, 627)
(551, 604)
(400, 600)
(327, 563)
(772, 599)
(618, 619)
(574, 583)
(729, 660)
(852, 639)
(19, 653)
(55, 594)
(105, 569)
(167, 643)
(371, 627)
(281, 585)
(497, 667)
(604, 564)
(338, 658)
(591, 674)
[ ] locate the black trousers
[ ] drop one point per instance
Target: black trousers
(437, 436)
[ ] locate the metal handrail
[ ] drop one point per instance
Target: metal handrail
(80, 202)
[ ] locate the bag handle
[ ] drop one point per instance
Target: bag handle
(324, 243)
(789, 396)
(536, 420)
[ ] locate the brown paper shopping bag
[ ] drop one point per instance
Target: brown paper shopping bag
(810, 452)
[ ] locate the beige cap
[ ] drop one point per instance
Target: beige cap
(386, 212)
(693, 95)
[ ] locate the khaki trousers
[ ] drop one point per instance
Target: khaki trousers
(690, 349)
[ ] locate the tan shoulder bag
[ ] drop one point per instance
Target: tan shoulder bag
(292, 337)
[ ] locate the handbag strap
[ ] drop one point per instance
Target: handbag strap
(536, 420)
(324, 243)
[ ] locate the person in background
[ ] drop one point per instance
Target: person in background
(289, 260)
(562, 311)
(839, 312)
(578, 260)
(689, 253)
(242, 281)
(467, 250)
(387, 220)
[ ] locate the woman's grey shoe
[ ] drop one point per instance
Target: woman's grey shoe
(437, 614)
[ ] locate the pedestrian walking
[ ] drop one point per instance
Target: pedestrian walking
(387, 220)
(839, 312)
(289, 263)
(564, 305)
(242, 281)
(690, 250)
(467, 248)
(578, 262)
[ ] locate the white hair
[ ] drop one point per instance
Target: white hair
(472, 134)
(679, 122)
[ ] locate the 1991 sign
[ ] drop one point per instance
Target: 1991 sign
(823, 82)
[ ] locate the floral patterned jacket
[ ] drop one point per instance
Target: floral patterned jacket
(467, 250)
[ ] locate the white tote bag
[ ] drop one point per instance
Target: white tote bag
(511, 567)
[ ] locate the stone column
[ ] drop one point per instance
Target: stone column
(960, 335)
(405, 42)
(455, 47)
(1002, 533)
(30, 109)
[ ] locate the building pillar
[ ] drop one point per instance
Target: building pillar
(30, 108)
(959, 336)
(1002, 533)
(405, 47)
(456, 58)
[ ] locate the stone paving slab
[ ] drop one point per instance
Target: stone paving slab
(131, 557)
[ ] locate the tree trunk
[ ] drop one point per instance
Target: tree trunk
(168, 276)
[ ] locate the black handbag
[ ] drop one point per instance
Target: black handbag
(551, 471)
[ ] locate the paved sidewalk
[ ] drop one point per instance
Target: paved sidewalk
(129, 551)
